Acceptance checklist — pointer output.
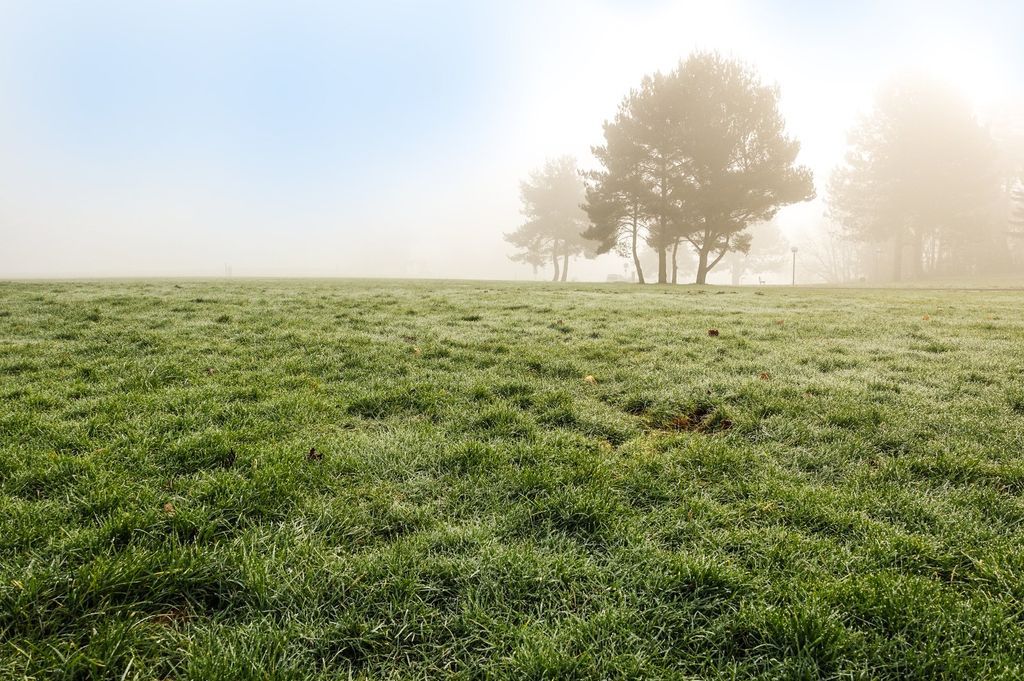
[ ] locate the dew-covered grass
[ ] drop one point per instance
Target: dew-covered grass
(509, 481)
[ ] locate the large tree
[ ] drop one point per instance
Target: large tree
(920, 175)
(552, 200)
(694, 157)
(655, 119)
(617, 195)
(740, 166)
(632, 195)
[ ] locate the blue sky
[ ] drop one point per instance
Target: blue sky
(388, 137)
(282, 96)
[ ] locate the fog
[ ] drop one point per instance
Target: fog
(390, 139)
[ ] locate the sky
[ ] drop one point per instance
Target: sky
(388, 138)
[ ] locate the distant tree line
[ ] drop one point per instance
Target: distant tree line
(693, 158)
(925, 185)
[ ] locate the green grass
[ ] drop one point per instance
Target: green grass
(830, 488)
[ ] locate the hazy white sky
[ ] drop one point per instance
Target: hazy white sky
(388, 138)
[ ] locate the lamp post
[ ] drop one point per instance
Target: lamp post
(794, 249)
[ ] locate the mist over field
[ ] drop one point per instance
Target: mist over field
(390, 140)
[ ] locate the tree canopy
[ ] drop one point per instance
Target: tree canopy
(740, 164)
(694, 156)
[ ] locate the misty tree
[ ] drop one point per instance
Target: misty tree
(920, 176)
(695, 157)
(632, 194)
(552, 200)
(617, 197)
(740, 166)
(656, 126)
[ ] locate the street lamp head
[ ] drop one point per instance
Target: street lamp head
(794, 249)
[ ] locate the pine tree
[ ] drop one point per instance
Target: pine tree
(694, 157)
(616, 195)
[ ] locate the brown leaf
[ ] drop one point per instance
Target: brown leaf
(765, 376)
(926, 318)
(211, 371)
(590, 379)
(314, 455)
(713, 333)
(170, 618)
(169, 509)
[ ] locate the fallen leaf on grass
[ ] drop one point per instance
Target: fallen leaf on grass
(713, 333)
(314, 455)
(765, 376)
(590, 379)
(169, 509)
(168, 619)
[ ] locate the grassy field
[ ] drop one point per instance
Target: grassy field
(271, 479)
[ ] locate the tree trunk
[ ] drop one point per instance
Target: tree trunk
(662, 265)
(897, 260)
(565, 264)
(737, 271)
(675, 265)
(702, 266)
(554, 261)
(636, 258)
(917, 256)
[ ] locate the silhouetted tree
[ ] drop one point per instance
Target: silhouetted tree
(920, 175)
(704, 155)
(617, 196)
(552, 201)
(656, 125)
(740, 166)
(632, 194)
